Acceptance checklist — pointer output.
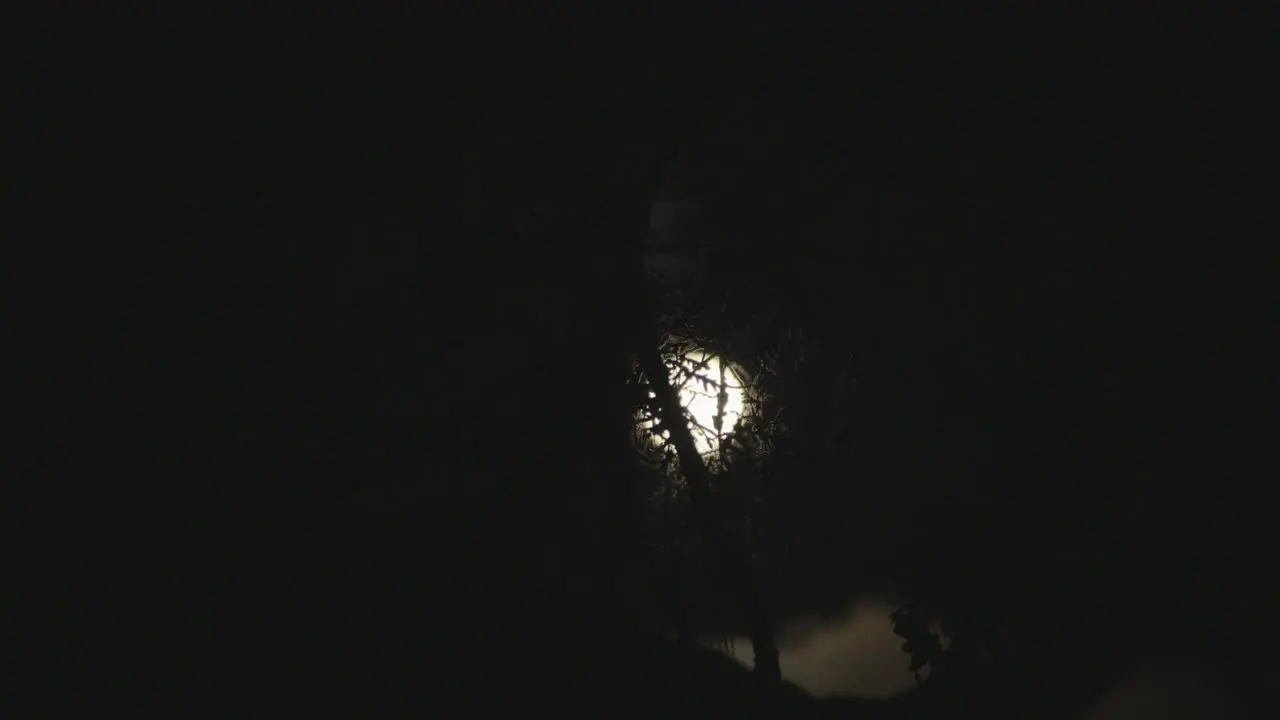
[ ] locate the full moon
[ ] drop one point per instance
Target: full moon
(699, 378)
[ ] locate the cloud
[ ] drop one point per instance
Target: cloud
(1164, 690)
(856, 654)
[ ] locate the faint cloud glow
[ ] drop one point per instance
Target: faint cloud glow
(855, 655)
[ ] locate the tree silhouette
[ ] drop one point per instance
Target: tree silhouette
(708, 516)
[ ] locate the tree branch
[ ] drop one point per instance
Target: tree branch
(706, 512)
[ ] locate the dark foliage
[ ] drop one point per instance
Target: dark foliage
(1006, 375)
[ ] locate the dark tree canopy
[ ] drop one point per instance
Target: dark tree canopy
(338, 379)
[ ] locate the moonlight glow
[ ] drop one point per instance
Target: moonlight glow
(700, 378)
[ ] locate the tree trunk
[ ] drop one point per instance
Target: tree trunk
(732, 559)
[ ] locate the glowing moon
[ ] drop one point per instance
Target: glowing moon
(699, 378)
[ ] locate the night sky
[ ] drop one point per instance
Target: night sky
(328, 333)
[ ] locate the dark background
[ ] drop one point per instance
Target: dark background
(270, 272)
